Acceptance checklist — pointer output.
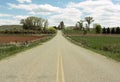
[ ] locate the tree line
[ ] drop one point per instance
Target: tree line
(37, 24)
(31, 25)
(114, 30)
(98, 28)
(34, 23)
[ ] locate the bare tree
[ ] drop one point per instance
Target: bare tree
(80, 24)
(89, 20)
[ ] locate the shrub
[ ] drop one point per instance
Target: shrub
(108, 48)
(98, 29)
(85, 32)
(51, 30)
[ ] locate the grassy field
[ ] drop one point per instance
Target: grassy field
(7, 50)
(10, 27)
(107, 45)
(69, 31)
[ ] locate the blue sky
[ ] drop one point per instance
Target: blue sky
(104, 12)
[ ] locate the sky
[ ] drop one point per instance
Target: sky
(104, 12)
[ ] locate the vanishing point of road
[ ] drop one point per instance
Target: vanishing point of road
(58, 60)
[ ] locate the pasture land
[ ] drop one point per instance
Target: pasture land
(10, 27)
(108, 45)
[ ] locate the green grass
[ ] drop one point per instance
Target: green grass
(7, 50)
(10, 27)
(69, 31)
(105, 45)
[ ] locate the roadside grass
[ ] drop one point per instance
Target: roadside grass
(106, 45)
(69, 31)
(7, 50)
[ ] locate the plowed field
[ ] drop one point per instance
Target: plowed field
(8, 39)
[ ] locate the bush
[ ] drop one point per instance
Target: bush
(51, 30)
(85, 32)
(98, 29)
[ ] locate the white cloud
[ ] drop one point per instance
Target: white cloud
(19, 17)
(34, 8)
(11, 19)
(8, 22)
(68, 15)
(7, 19)
(28, 7)
(57, 14)
(104, 12)
(23, 1)
(5, 15)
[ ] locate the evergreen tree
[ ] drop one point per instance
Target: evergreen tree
(113, 31)
(104, 30)
(117, 30)
(108, 30)
(61, 25)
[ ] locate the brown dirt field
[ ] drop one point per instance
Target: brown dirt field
(8, 39)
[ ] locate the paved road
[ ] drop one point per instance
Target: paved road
(59, 61)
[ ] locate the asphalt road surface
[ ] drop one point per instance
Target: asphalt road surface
(59, 61)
